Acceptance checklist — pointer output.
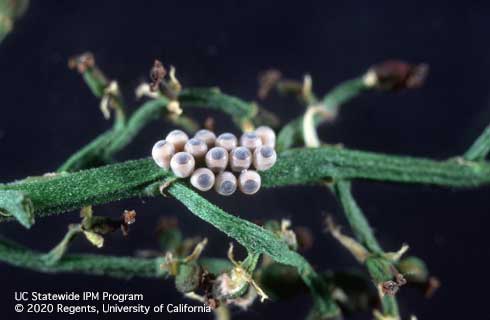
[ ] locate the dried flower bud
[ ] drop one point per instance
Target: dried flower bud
(395, 75)
(267, 81)
(390, 287)
(129, 216)
(431, 286)
(157, 73)
(82, 62)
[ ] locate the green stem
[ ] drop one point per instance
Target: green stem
(343, 93)
(118, 267)
(213, 98)
(358, 222)
(10, 10)
(103, 265)
(148, 112)
(101, 150)
(256, 240)
(68, 191)
(378, 267)
(55, 254)
(302, 166)
(94, 264)
(480, 148)
(292, 133)
(237, 109)
(141, 178)
(90, 155)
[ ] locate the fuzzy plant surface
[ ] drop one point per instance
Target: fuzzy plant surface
(273, 267)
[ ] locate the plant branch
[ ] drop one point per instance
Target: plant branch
(101, 150)
(10, 11)
(379, 267)
(292, 133)
(68, 191)
(358, 222)
(118, 267)
(480, 148)
(256, 240)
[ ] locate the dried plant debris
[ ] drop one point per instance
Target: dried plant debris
(394, 75)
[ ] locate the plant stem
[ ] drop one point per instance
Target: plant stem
(292, 133)
(358, 222)
(302, 166)
(10, 10)
(254, 238)
(480, 148)
(68, 191)
(118, 267)
(148, 112)
(101, 150)
(364, 234)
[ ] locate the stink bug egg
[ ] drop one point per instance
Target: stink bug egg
(250, 140)
(207, 136)
(217, 159)
(267, 135)
(182, 164)
(240, 159)
(162, 152)
(225, 183)
(264, 158)
(249, 182)
(197, 148)
(227, 141)
(203, 179)
(178, 138)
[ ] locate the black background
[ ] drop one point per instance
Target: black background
(47, 113)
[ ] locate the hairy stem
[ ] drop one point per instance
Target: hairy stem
(118, 267)
(68, 191)
(256, 240)
(292, 133)
(358, 222)
(101, 150)
(480, 148)
(364, 234)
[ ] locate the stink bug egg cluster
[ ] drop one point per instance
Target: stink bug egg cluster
(222, 162)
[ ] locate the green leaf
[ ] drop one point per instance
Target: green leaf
(19, 205)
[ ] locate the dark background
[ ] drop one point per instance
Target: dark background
(47, 113)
